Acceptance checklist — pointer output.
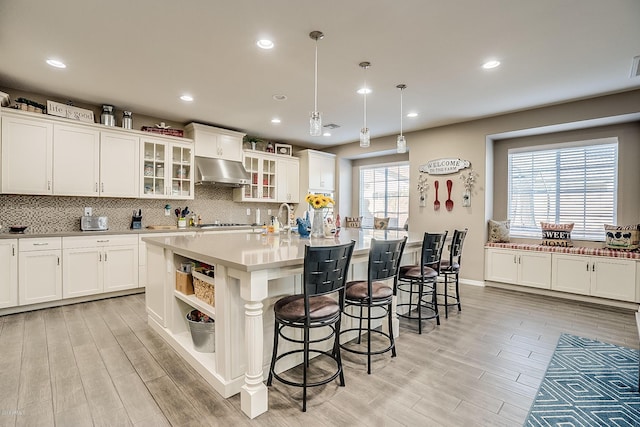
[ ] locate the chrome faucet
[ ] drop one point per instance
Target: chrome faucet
(287, 224)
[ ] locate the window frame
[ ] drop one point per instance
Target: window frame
(368, 222)
(582, 234)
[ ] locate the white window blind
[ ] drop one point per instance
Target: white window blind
(574, 182)
(384, 192)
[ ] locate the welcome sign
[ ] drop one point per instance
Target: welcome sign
(444, 166)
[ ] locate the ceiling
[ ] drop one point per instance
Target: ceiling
(142, 55)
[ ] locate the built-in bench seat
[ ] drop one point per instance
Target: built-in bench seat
(577, 250)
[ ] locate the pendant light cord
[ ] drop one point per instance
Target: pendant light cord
(401, 89)
(315, 95)
(365, 97)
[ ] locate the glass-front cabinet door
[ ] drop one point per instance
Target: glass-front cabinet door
(167, 169)
(262, 168)
(154, 157)
(181, 171)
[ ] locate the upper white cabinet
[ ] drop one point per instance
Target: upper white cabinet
(317, 171)
(76, 160)
(288, 180)
(215, 142)
(8, 273)
(119, 164)
(526, 268)
(167, 169)
(27, 153)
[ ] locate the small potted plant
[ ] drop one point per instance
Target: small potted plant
(253, 140)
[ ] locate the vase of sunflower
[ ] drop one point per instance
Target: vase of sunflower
(319, 204)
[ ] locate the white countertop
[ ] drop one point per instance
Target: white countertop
(251, 251)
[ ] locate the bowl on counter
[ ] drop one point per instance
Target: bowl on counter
(17, 228)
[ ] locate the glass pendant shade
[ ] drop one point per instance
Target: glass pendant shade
(365, 139)
(315, 124)
(401, 146)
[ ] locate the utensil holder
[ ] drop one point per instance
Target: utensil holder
(136, 222)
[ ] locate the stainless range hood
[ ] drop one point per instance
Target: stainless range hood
(221, 172)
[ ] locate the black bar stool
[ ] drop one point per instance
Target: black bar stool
(325, 273)
(373, 293)
(422, 280)
(451, 267)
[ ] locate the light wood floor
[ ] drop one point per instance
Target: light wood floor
(99, 364)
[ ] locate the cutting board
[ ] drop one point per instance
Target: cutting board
(162, 227)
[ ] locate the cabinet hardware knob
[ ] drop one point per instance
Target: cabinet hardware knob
(96, 190)
(102, 187)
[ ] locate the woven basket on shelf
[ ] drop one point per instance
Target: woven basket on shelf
(204, 288)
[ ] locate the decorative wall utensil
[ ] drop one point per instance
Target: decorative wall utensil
(449, 203)
(436, 203)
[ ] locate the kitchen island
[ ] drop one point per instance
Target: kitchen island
(252, 271)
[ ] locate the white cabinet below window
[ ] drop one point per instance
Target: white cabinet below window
(605, 277)
(8, 273)
(526, 268)
(94, 265)
(39, 270)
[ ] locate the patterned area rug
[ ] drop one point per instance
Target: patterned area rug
(588, 383)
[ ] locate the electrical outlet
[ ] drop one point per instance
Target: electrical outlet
(88, 211)
(248, 211)
(268, 211)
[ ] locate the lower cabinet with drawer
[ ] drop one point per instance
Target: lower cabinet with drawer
(40, 270)
(98, 264)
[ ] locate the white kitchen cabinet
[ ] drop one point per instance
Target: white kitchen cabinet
(97, 264)
(167, 169)
(76, 160)
(8, 273)
(288, 180)
(39, 270)
(317, 171)
(262, 168)
(215, 142)
(27, 153)
(612, 278)
(119, 164)
(526, 268)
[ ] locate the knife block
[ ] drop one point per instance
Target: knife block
(136, 222)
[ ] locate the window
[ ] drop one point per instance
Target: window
(384, 192)
(564, 183)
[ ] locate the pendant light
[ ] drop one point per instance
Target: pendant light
(315, 120)
(364, 132)
(401, 146)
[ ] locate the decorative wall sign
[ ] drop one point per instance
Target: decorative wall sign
(75, 113)
(444, 166)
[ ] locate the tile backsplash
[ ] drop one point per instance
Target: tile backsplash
(51, 214)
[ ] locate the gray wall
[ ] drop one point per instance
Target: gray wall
(474, 141)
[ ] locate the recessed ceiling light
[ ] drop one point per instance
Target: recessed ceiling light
(326, 134)
(265, 44)
(490, 64)
(187, 98)
(412, 115)
(279, 97)
(364, 90)
(275, 120)
(56, 63)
